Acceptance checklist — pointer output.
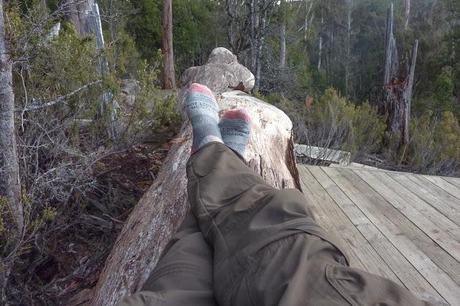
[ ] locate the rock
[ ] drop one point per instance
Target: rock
(221, 73)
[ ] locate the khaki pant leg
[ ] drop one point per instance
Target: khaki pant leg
(268, 249)
(183, 275)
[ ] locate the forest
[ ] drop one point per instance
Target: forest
(88, 107)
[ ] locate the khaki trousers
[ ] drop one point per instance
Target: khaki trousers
(246, 243)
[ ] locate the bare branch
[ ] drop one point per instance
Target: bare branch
(37, 106)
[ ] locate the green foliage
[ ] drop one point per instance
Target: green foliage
(3, 208)
(145, 26)
(332, 121)
(196, 30)
(447, 137)
(337, 123)
(153, 109)
(434, 145)
(60, 67)
(444, 91)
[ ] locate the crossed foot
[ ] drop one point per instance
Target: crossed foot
(203, 111)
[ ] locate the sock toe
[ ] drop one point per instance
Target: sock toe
(235, 128)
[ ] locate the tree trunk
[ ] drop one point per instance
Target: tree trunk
(283, 45)
(260, 46)
(169, 75)
(398, 86)
(11, 210)
(308, 20)
(283, 35)
(253, 34)
(10, 187)
(348, 59)
(320, 46)
(408, 88)
(407, 7)
(391, 69)
(162, 209)
(86, 18)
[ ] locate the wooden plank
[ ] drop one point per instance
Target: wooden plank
(453, 180)
(356, 244)
(441, 221)
(387, 219)
(315, 196)
(427, 194)
(325, 154)
(403, 269)
(391, 192)
(445, 185)
(401, 199)
(451, 201)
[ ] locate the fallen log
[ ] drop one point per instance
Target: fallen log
(162, 209)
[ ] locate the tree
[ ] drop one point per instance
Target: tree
(247, 25)
(407, 7)
(10, 187)
(11, 209)
(169, 75)
(398, 85)
(283, 34)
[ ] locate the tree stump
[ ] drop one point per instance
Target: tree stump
(163, 207)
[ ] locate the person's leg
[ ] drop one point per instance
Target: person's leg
(183, 275)
(268, 249)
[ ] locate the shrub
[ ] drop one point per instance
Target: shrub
(336, 123)
(434, 145)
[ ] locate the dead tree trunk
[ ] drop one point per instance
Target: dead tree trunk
(11, 210)
(169, 75)
(283, 35)
(10, 187)
(252, 33)
(320, 45)
(283, 45)
(398, 85)
(348, 60)
(407, 7)
(161, 210)
(308, 20)
(86, 18)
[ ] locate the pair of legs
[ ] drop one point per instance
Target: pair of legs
(246, 243)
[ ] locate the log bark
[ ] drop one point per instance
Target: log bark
(169, 75)
(162, 209)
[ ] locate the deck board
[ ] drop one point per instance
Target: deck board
(428, 194)
(401, 226)
(442, 183)
(358, 247)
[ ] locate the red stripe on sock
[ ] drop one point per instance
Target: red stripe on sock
(195, 87)
(240, 114)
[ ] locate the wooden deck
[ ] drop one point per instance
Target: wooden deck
(401, 226)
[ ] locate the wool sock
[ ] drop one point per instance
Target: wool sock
(203, 112)
(235, 127)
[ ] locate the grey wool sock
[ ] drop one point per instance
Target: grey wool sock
(235, 127)
(203, 112)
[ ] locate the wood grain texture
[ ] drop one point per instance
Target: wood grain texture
(393, 223)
